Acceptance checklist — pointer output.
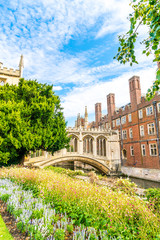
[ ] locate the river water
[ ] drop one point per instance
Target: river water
(145, 183)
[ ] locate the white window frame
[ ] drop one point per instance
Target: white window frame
(132, 150)
(117, 121)
(151, 128)
(153, 149)
(113, 123)
(141, 128)
(124, 134)
(130, 133)
(129, 117)
(149, 110)
(123, 120)
(158, 107)
(140, 114)
(143, 149)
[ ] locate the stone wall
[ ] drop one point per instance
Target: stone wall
(143, 173)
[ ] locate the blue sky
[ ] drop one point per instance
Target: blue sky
(71, 44)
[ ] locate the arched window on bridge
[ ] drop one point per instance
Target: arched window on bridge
(73, 144)
(88, 145)
(101, 146)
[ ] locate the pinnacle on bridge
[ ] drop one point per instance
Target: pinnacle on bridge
(86, 113)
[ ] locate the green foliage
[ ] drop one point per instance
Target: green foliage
(68, 172)
(153, 196)
(21, 226)
(5, 197)
(37, 214)
(30, 119)
(59, 234)
(70, 228)
(126, 186)
(145, 12)
(117, 215)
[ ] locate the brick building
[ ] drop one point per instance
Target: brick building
(139, 126)
(138, 123)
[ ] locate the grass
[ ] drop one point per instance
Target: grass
(4, 233)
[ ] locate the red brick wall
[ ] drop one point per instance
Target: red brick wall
(135, 91)
(138, 160)
(110, 105)
(98, 113)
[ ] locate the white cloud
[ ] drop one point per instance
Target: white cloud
(57, 88)
(40, 29)
(76, 100)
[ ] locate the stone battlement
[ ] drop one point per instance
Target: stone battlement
(92, 130)
(9, 71)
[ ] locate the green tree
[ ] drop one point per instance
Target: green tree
(145, 12)
(30, 119)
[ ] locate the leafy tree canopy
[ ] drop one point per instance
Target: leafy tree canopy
(30, 119)
(146, 12)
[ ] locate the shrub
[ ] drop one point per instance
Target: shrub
(126, 186)
(70, 228)
(59, 234)
(5, 197)
(153, 196)
(93, 177)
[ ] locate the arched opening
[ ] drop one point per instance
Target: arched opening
(73, 144)
(124, 153)
(88, 145)
(87, 160)
(101, 146)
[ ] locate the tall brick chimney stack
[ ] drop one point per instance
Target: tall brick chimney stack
(86, 117)
(110, 105)
(135, 91)
(98, 113)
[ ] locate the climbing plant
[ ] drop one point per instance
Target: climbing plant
(145, 12)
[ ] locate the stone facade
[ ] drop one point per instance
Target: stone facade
(95, 147)
(101, 144)
(11, 76)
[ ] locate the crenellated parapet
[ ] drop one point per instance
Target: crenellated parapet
(9, 71)
(10, 75)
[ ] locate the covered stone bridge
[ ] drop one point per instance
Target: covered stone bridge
(96, 147)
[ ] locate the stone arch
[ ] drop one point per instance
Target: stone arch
(73, 143)
(88, 144)
(88, 160)
(101, 145)
(73, 134)
(88, 135)
(101, 135)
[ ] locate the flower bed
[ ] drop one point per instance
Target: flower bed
(122, 216)
(39, 220)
